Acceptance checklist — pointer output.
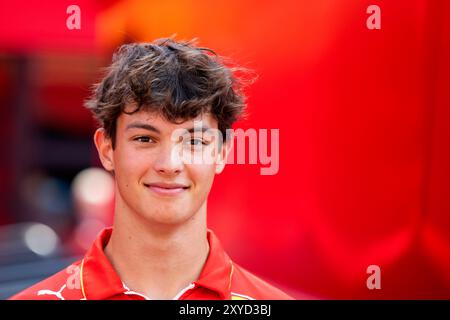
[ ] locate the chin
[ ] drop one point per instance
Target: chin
(168, 216)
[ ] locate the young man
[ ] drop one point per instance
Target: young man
(164, 109)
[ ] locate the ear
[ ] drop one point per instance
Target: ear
(104, 149)
(223, 155)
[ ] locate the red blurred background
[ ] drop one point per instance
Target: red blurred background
(364, 119)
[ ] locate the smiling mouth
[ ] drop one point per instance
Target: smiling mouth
(166, 189)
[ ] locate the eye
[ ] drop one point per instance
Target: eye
(144, 139)
(196, 142)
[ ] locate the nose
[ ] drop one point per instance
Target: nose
(169, 161)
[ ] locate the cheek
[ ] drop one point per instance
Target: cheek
(202, 175)
(128, 164)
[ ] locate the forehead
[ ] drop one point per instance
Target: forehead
(158, 120)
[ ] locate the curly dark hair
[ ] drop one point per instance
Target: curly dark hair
(176, 79)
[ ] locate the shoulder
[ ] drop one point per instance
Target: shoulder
(64, 285)
(245, 285)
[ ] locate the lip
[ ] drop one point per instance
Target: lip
(167, 189)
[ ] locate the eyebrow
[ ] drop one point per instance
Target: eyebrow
(140, 125)
(197, 129)
(149, 127)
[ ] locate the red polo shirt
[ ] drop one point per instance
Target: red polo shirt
(94, 278)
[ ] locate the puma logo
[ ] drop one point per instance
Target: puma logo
(54, 293)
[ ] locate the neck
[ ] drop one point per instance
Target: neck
(157, 260)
